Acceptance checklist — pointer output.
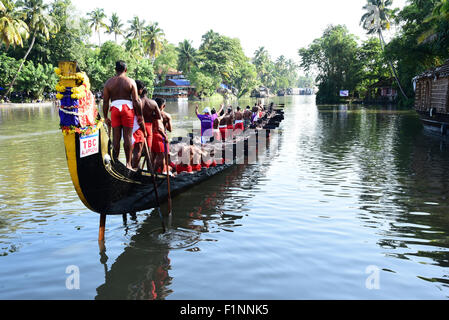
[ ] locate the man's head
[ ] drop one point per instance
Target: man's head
(141, 88)
(213, 111)
(238, 108)
(229, 109)
(120, 67)
(206, 110)
(160, 102)
(248, 107)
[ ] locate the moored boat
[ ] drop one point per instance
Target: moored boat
(432, 98)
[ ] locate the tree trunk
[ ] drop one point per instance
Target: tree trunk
(99, 40)
(21, 65)
(393, 69)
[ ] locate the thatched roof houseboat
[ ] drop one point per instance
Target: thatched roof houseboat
(432, 98)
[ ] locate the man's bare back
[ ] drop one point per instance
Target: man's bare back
(150, 110)
(238, 115)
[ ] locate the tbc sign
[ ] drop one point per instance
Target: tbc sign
(89, 145)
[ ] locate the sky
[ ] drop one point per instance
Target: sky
(281, 26)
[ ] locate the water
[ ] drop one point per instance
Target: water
(349, 194)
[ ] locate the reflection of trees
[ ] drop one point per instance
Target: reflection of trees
(142, 270)
(33, 168)
(401, 177)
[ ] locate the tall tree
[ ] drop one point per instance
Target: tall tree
(39, 23)
(376, 19)
(186, 56)
(115, 26)
(135, 31)
(96, 19)
(13, 30)
(152, 38)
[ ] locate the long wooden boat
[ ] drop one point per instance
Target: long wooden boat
(103, 183)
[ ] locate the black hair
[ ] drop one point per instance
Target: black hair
(213, 111)
(238, 108)
(141, 86)
(160, 101)
(120, 66)
(248, 107)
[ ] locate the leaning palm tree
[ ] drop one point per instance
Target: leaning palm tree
(96, 18)
(375, 20)
(115, 26)
(39, 23)
(186, 56)
(152, 38)
(13, 29)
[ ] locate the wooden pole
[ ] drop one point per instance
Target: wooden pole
(102, 227)
(168, 178)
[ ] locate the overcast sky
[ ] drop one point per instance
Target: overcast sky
(281, 26)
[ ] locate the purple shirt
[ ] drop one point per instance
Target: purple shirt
(206, 122)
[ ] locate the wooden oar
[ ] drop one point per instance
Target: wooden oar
(168, 179)
(151, 169)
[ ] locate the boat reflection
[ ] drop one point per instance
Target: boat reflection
(142, 270)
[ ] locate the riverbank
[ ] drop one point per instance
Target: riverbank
(27, 105)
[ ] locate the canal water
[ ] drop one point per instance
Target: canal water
(351, 203)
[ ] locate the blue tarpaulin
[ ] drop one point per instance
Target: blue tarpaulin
(2, 88)
(181, 83)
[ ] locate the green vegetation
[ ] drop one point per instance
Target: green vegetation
(341, 63)
(47, 32)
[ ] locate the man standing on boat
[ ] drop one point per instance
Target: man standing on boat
(125, 101)
(206, 123)
(150, 113)
(160, 143)
(238, 122)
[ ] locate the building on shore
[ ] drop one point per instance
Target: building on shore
(381, 92)
(175, 87)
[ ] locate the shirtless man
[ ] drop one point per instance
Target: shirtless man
(238, 122)
(247, 117)
(150, 112)
(125, 101)
(226, 124)
(160, 140)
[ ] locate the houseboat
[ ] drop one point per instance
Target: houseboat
(432, 98)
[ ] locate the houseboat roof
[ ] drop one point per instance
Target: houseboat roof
(438, 72)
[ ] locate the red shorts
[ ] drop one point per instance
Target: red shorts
(158, 143)
(183, 167)
(124, 118)
(196, 167)
(139, 136)
(239, 126)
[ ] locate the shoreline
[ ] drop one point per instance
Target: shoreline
(27, 105)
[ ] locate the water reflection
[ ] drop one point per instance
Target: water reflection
(401, 176)
(142, 271)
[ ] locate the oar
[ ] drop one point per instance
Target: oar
(168, 179)
(150, 167)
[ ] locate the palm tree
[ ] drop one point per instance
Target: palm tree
(136, 28)
(13, 30)
(96, 18)
(115, 26)
(186, 56)
(153, 40)
(376, 19)
(39, 23)
(207, 39)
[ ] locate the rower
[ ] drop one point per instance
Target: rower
(150, 113)
(160, 140)
(125, 101)
(247, 117)
(238, 122)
